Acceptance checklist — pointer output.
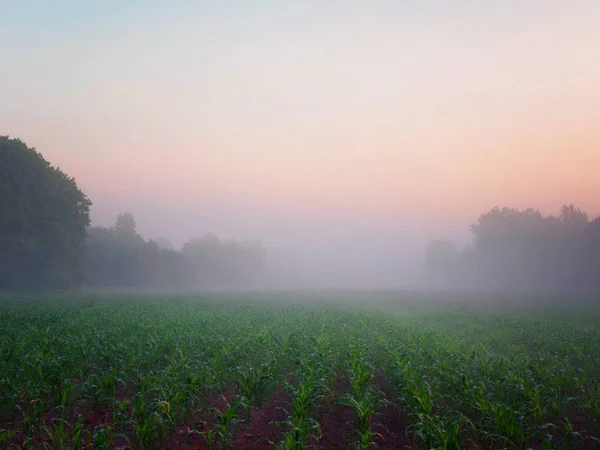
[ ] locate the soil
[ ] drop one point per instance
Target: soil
(263, 430)
(337, 425)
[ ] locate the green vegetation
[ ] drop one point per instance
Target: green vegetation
(43, 221)
(523, 250)
(107, 371)
(47, 243)
(120, 256)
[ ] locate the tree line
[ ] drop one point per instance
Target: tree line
(46, 241)
(522, 250)
(119, 256)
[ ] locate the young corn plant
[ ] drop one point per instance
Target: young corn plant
(63, 396)
(572, 438)
(104, 438)
(363, 399)
(301, 421)
(120, 413)
(307, 391)
(508, 423)
(417, 395)
(226, 421)
(6, 437)
(32, 416)
(438, 433)
(145, 422)
(209, 437)
(255, 383)
(64, 436)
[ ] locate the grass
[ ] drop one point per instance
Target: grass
(107, 370)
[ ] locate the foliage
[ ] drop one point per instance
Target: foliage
(43, 221)
(464, 377)
(45, 242)
(523, 250)
(120, 256)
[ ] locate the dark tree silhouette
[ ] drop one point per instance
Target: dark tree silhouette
(524, 250)
(43, 221)
(119, 256)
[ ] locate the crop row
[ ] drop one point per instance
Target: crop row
(131, 372)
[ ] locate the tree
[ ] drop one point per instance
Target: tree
(574, 219)
(43, 221)
(125, 224)
(523, 250)
(119, 256)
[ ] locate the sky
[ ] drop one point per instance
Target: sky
(309, 121)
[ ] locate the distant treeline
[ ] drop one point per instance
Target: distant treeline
(522, 250)
(119, 256)
(46, 241)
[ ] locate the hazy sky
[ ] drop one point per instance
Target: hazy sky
(269, 118)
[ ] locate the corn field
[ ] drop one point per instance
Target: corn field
(216, 371)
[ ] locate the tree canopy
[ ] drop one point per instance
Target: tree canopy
(524, 250)
(119, 256)
(46, 242)
(43, 221)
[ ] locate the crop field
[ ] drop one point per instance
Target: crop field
(297, 370)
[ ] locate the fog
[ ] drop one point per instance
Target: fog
(334, 249)
(302, 144)
(502, 249)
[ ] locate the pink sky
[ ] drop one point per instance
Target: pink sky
(424, 112)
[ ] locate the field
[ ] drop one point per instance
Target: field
(298, 370)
